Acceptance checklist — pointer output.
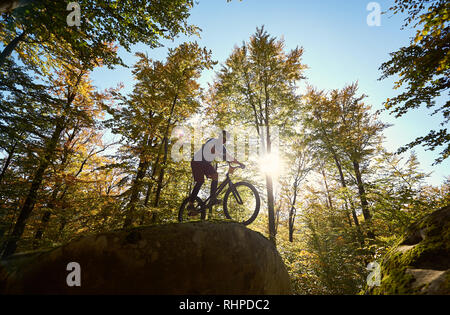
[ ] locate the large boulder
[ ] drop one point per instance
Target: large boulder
(190, 258)
(420, 262)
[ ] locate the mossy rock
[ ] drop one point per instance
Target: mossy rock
(420, 261)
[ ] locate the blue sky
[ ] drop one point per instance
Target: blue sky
(339, 48)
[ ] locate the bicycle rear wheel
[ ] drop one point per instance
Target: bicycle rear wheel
(183, 215)
(241, 203)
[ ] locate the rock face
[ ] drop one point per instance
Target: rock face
(420, 263)
(190, 258)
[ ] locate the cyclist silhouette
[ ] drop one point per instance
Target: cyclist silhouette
(201, 167)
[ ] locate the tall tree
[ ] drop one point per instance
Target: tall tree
(257, 85)
(360, 132)
(300, 157)
(423, 68)
(345, 126)
(322, 132)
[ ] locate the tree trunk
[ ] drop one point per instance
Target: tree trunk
(149, 190)
(270, 196)
(136, 189)
(10, 48)
(362, 192)
(161, 177)
(63, 223)
(362, 196)
(291, 224)
(30, 200)
(152, 177)
(147, 195)
(38, 235)
(330, 202)
(8, 161)
(292, 214)
(271, 210)
(45, 218)
(166, 149)
(344, 185)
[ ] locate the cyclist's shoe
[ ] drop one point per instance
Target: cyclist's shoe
(192, 211)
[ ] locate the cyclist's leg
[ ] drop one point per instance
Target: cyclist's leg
(197, 187)
(199, 179)
(214, 183)
(212, 173)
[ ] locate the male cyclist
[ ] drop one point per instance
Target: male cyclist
(201, 167)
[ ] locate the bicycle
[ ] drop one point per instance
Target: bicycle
(238, 204)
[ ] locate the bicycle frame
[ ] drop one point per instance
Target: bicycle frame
(226, 182)
(219, 189)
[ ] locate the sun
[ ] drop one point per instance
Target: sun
(271, 164)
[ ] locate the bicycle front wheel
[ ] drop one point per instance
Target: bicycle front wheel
(183, 213)
(241, 203)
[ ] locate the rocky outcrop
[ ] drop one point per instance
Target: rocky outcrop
(420, 263)
(190, 258)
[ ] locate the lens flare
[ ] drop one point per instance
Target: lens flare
(271, 164)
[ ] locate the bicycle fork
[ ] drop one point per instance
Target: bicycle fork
(236, 195)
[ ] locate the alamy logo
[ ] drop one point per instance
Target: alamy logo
(374, 278)
(73, 279)
(74, 17)
(242, 142)
(374, 18)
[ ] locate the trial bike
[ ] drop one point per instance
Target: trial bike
(241, 201)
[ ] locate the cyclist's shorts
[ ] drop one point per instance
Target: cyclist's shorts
(201, 169)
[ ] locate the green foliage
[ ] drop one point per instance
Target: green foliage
(257, 84)
(102, 23)
(57, 114)
(423, 69)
